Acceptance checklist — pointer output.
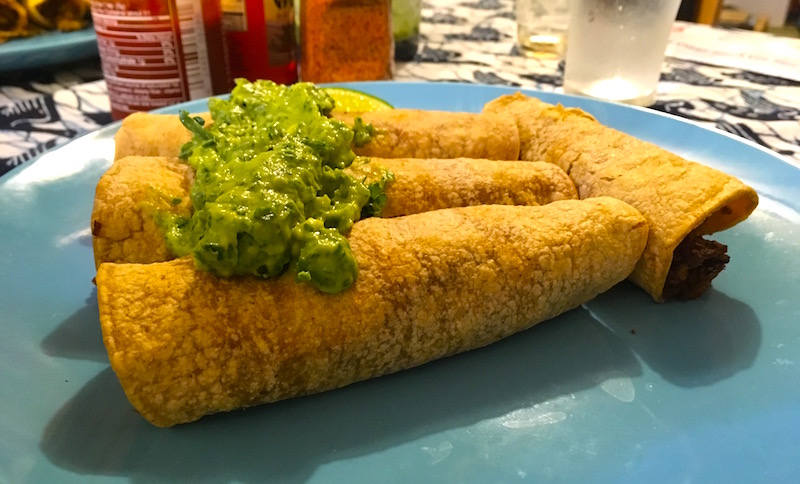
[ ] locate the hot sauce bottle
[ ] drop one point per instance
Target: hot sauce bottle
(260, 38)
(155, 53)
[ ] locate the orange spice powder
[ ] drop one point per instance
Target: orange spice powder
(345, 40)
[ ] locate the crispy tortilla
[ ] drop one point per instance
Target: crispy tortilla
(678, 197)
(135, 189)
(425, 185)
(148, 134)
(185, 344)
(411, 133)
(128, 198)
(400, 133)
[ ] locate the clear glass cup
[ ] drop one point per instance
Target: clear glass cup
(542, 27)
(405, 26)
(616, 48)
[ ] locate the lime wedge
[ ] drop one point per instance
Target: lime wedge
(350, 100)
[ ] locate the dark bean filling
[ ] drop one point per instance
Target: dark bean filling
(695, 263)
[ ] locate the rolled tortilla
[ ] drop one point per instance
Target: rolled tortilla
(400, 133)
(128, 198)
(425, 185)
(148, 134)
(682, 200)
(131, 193)
(185, 344)
(410, 133)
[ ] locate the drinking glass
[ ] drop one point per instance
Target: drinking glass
(616, 48)
(542, 27)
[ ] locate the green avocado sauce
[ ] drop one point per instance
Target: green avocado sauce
(270, 190)
(362, 132)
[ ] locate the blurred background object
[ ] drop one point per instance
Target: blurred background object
(13, 20)
(405, 27)
(542, 27)
(260, 39)
(761, 14)
(63, 15)
(26, 18)
(346, 40)
(700, 11)
(780, 17)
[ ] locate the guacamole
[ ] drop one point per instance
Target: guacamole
(269, 191)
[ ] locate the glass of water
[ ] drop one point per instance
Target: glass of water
(616, 48)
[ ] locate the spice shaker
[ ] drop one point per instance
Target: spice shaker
(346, 40)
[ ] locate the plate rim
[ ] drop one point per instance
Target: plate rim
(15, 49)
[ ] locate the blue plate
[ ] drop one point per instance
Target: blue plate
(620, 390)
(47, 49)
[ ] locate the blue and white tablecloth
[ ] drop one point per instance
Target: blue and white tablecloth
(704, 79)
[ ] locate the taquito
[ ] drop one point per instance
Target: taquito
(425, 185)
(185, 344)
(148, 134)
(681, 200)
(399, 133)
(128, 198)
(410, 133)
(135, 189)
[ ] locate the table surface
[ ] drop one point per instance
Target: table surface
(745, 83)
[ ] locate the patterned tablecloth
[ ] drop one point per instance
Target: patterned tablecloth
(740, 82)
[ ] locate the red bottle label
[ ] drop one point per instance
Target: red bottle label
(155, 54)
(261, 39)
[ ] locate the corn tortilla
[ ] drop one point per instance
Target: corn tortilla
(678, 197)
(127, 198)
(135, 189)
(149, 134)
(424, 185)
(400, 133)
(185, 344)
(411, 133)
